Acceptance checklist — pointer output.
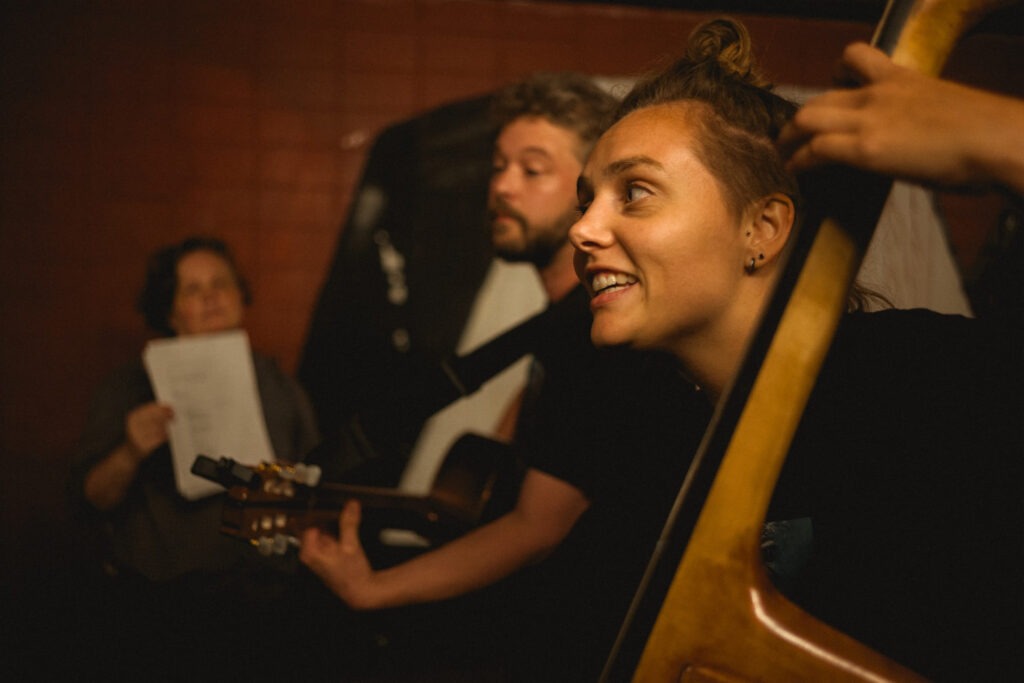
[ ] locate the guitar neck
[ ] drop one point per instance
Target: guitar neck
(279, 501)
(254, 514)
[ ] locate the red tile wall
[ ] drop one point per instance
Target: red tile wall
(130, 124)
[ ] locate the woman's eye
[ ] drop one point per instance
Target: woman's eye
(635, 192)
(224, 283)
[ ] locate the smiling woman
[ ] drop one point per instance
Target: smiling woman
(687, 210)
(659, 223)
(687, 204)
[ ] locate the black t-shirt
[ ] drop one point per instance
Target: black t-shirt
(904, 484)
(622, 427)
(901, 496)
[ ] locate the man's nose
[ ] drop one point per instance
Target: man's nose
(503, 182)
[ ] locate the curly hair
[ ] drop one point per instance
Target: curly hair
(739, 116)
(157, 296)
(567, 99)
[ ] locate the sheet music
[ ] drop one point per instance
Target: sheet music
(210, 382)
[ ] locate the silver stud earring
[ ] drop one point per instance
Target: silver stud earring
(751, 265)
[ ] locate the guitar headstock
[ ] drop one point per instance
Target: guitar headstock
(268, 504)
(271, 518)
(228, 472)
(271, 504)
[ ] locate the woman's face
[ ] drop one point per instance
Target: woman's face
(657, 246)
(208, 298)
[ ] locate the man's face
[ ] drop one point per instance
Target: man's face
(532, 198)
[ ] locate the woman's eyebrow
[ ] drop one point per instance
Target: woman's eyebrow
(622, 165)
(616, 168)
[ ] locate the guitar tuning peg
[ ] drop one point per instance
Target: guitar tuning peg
(307, 474)
(265, 546)
(277, 544)
(281, 544)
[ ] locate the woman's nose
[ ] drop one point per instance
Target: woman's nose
(587, 232)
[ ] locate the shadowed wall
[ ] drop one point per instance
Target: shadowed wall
(130, 124)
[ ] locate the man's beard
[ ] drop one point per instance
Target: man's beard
(540, 242)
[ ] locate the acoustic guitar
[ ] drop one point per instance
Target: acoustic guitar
(270, 504)
(706, 610)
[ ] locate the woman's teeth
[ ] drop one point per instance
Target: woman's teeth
(606, 281)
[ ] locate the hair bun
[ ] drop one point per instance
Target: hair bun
(727, 43)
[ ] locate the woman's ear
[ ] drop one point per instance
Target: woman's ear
(769, 223)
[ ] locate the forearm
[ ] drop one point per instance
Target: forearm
(478, 559)
(545, 512)
(998, 150)
(107, 483)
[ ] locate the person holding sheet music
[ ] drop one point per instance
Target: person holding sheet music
(897, 517)
(167, 553)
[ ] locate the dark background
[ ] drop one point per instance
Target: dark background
(127, 124)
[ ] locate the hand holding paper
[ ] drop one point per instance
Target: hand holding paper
(210, 383)
(146, 428)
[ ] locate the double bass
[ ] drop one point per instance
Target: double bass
(706, 609)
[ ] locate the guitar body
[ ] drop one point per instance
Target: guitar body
(706, 610)
(479, 475)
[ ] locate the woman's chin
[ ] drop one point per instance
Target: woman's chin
(217, 327)
(605, 336)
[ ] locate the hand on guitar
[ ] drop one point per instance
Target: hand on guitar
(545, 512)
(909, 125)
(341, 562)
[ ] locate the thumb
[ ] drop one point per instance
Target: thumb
(348, 527)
